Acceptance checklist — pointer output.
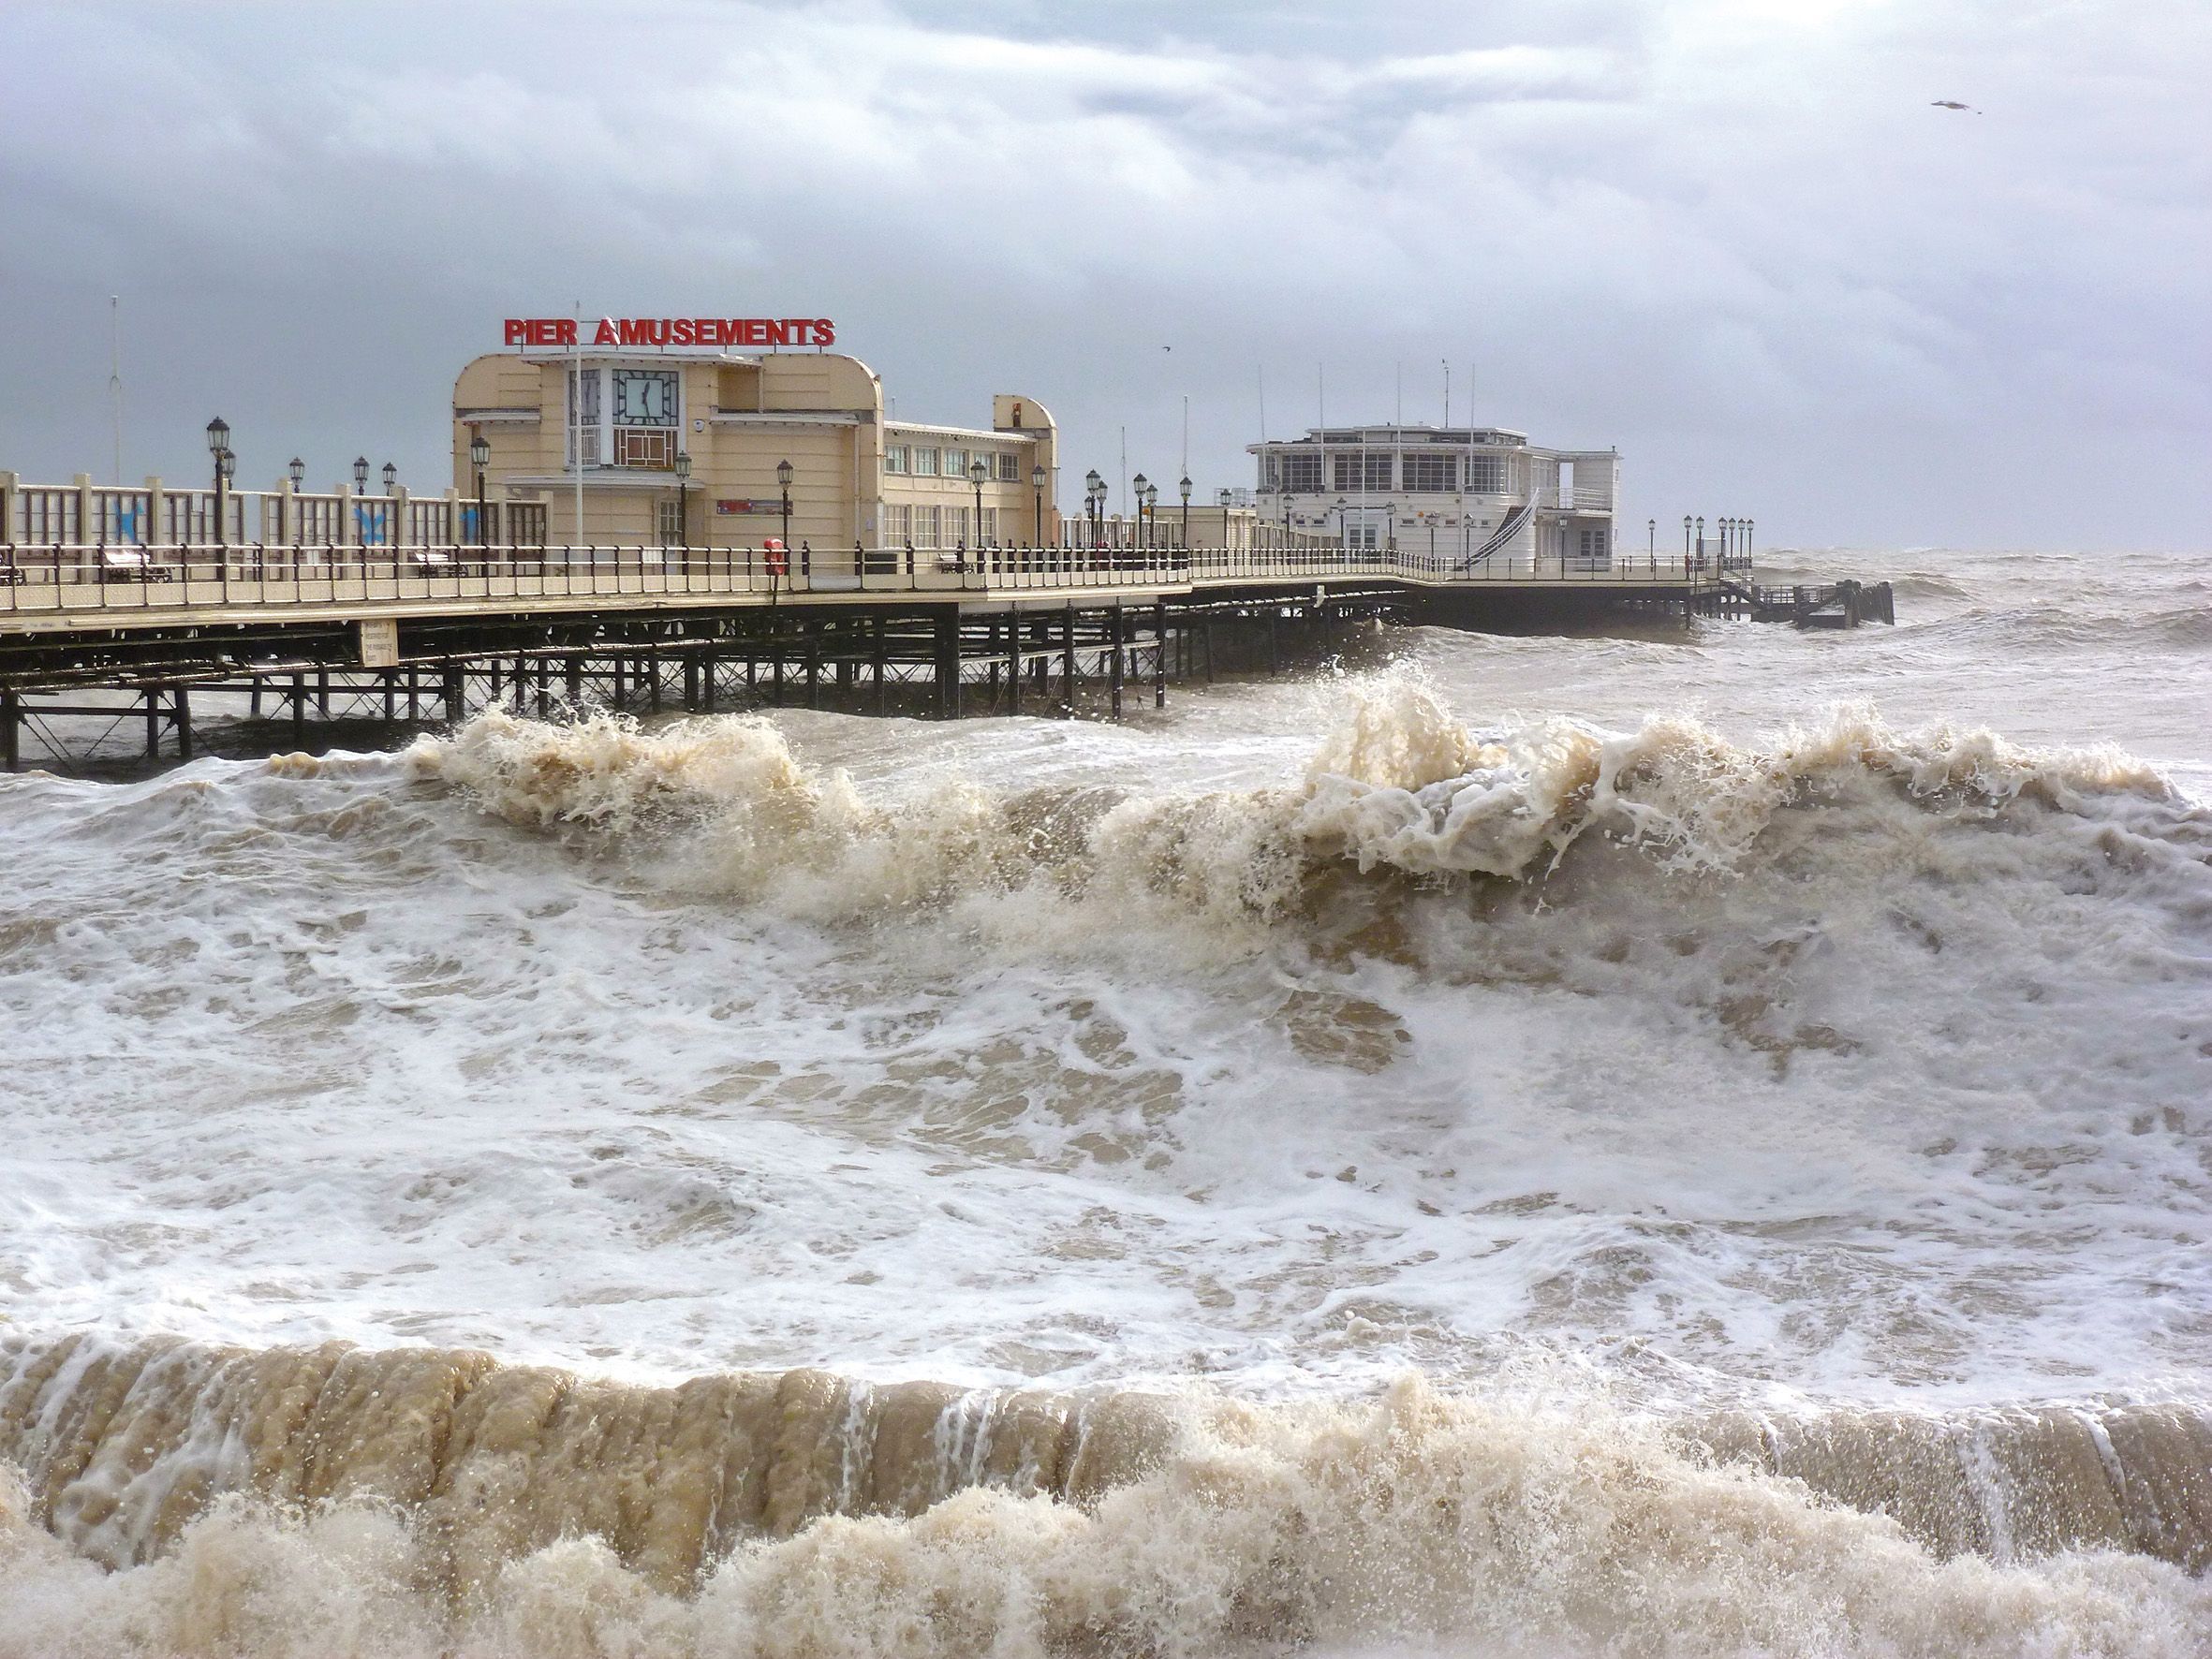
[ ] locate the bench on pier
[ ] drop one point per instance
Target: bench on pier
(133, 562)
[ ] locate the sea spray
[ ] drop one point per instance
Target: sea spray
(409, 1500)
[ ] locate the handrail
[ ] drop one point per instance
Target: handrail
(1515, 522)
(70, 577)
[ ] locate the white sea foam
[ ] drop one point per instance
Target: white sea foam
(1459, 1017)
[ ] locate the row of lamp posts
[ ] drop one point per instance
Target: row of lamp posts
(226, 468)
(480, 458)
(1733, 540)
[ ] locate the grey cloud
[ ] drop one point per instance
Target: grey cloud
(1729, 235)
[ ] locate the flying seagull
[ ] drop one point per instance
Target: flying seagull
(1953, 104)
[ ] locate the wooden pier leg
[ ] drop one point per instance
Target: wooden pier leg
(391, 679)
(1115, 671)
(1206, 644)
(300, 711)
(1159, 653)
(322, 693)
(574, 666)
(182, 720)
(875, 653)
(948, 664)
(253, 701)
(152, 695)
(545, 688)
(11, 719)
(652, 668)
(456, 693)
(1014, 664)
(814, 663)
(620, 681)
(1067, 655)
(414, 694)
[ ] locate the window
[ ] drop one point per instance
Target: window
(1302, 473)
(643, 447)
(925, 463)
(989, 524)
(925, 527)
(525, 523)
(668, 518)
(50, 515)
(955, 528)
(1009, 467)
(955, 464)
(1486, 474)
(583, 417)
(1359, 470)
(898, 526)
(123, 516)
(894, 458)
(1431, 472)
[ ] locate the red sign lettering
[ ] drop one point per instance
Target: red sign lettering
(643, 331)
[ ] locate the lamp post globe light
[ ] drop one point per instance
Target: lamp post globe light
(1651, 538)
(1137, 487)
(1152, 513)
(391, 477)
(479, 457)
(1037, 493)
(1701, 540)
(1686, 535)
(296, 472)
(977, 470)
(1748, 523)
(1184, 485)
(218, 445)
(783, 484)
(360, 474)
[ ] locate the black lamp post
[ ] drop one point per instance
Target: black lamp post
(298, 476)
(1185, 487)
(1136, 486)
(1094, 492)
(391, 477)
(977, 470)
(218, 445)
(479, 457)
(684, 500)
(361, 475)
(1651, 538)
(1748, 523)
(1701, 540)
(1685, 536)
(783, 482)
(1037, 491)
(1152, 515)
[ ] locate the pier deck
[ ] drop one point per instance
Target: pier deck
(451, 629)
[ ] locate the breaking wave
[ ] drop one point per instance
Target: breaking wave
(1400, 787)
(178, 1500)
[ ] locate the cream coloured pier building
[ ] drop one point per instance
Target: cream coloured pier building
(671, 450)
(1447, 495)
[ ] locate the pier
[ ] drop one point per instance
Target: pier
(133, 635)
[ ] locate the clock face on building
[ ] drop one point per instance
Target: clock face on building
(644, 397)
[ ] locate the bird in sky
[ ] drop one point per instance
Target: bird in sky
(1953, 104)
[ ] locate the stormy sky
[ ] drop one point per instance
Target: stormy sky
(1730, 237)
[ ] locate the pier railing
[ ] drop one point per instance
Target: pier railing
(69, 579)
